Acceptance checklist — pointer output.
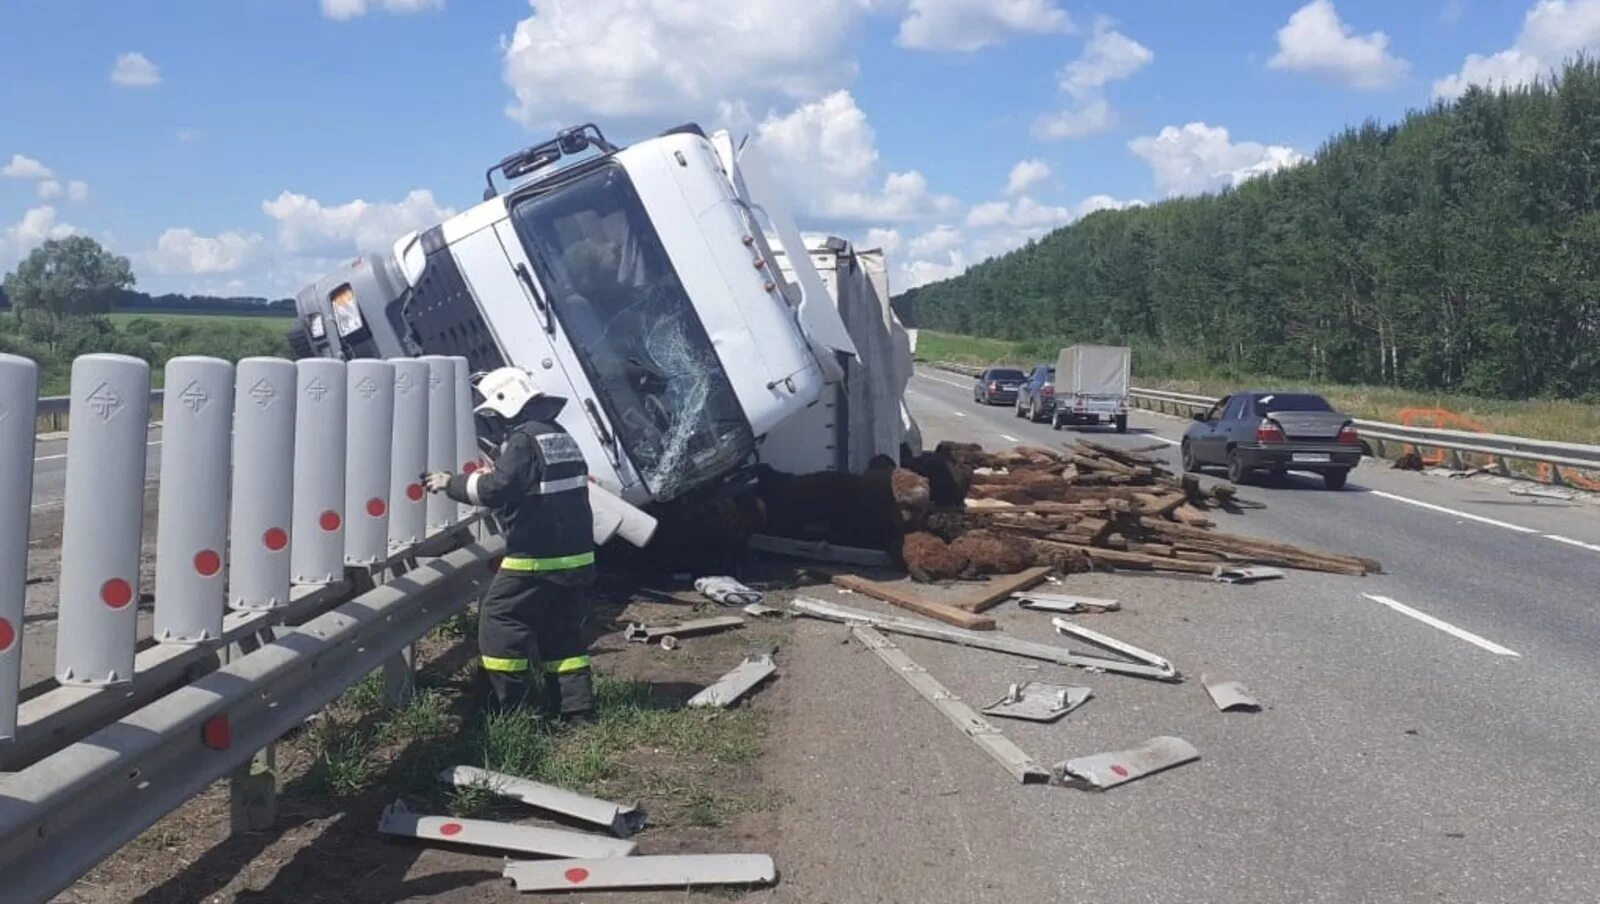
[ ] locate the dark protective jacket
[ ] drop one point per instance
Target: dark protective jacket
(539, 488)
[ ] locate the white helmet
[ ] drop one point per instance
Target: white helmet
(506, 390)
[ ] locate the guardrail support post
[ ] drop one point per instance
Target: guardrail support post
(192, 532)
(317, 555)
(263, 484)
(442, 438)
(103, 520)
(409, 448)
(19, 393)
(399, 678)
(368, 448)
(253, 793)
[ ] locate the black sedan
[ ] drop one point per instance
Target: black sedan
(997, 386)
(1274, 432)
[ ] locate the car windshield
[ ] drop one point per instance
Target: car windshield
(1290, 401)
(1012, 375)
(634, 330)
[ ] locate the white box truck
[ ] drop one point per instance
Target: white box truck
(1092, 384)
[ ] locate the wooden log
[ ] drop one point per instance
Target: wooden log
(1188, 514)
(1195, 555)
(894, 595)
(1116, 557)
(1126, 456)
(1237, 541)
(1164, 550)
(999, 589)
(1095, 463)
(1160, 505)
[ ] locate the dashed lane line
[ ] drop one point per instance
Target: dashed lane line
(1442, 625)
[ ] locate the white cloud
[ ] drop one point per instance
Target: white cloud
(1552, 31)
(183, 251)
(305, 225)
(189, 136)
(49, 188)
(968, 25)
(1109, 56)
(353, 9)
(656, 59)
(36, 225)
(1023, 213)
(887, 239)
(904, 196)
(1316, 41)
(1198, 157)
(935, 242)
(1027, 174)
(921, 272)
(134, 70)
(1097, 203)
(22, 167)
(77, 190)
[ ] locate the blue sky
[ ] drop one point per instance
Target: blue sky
(246, 146)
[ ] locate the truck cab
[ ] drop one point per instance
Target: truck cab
(641, 284)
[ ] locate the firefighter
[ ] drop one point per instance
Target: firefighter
(532, 616)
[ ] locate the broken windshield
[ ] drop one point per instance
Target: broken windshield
(635, 331)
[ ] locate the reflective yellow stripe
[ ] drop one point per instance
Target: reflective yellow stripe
(557, 563)
(563, 666)
(496, 664)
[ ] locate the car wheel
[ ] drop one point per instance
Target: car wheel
(1055, 422)
(1238, 472)
(1018, 411)
(1190, 463)
(1122, 423)
(1334, 480)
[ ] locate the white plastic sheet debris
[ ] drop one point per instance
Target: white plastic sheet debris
(1064, 602)
(740, 681)
(619, 820)
(398, 820)
(727, 591)
(1037, 701)
(1108, 770)
(1229, 695)
(1233, 574)
(640, 633)
(684, 870)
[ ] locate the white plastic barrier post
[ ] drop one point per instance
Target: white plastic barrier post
(442, 441)
(317, 554)
(19, 393)
(408, 522)
(263, 484)
(468, 457)
(103, 520)
(368, 438)
(192, 532)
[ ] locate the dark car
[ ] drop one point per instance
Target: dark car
(1274, 432)
(1036, 397)
(997, 386)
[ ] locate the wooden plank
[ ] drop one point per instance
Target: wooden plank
(950, 615)
(1000, 588)
(1191, 516)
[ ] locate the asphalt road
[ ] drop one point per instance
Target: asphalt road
(1439, 748)
(50, 468)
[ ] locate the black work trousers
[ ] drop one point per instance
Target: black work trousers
(531, 623)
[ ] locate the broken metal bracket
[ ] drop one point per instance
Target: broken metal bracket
(398, 820)
(641, 633)
(730, 687)
(619, 820)
(1108, 770)
(1039, 702)
(683, 870)
(1072, 629)
(1063, 602)
(1021, 766)
(1229, 695)
(1235, 574)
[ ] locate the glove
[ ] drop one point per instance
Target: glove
(436, 482)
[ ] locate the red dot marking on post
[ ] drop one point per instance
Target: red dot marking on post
(8, 635)
(116, 593)
(469, 467)
(576, 874)
(1120, 770)
(275, 539)
(450, 828)
(376, 507)
(217, 733)
(207, 563)
(414, 492)
(330, 521)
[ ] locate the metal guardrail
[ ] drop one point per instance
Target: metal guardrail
(52, 410)
(1455, 443)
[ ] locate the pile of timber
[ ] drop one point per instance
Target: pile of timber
(1093, 505)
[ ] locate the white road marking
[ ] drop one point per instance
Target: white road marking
(959, 413)
(1450, 511)
(154, 442)
(945, 382)
(1444, 626)
(1571, 542)
(1010, 438)
(1162, 439)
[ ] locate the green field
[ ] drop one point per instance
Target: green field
(263, 321)
(1539, 418)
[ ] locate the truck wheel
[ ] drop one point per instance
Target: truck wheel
(1334, 480)
(1238, 472)
(1122, 423)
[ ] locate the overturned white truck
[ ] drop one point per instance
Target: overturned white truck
(651, 287)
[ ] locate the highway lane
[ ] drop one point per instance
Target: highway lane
(50, 467)
(1396, 760)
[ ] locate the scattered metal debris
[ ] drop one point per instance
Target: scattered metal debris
(398, 820)
(619, 820)
(1229, 695)
(1234, 574)
(726, 591)
(687, 870)
(640, 633)
(820, 551)
(1021, 766)
(669, 643)
(1063, 602)
(738, 682)
(1108, 770)
(981, 640)
(761, 610)
(1103, 641)
(1039, 702)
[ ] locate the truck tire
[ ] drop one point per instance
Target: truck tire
(1122, 423)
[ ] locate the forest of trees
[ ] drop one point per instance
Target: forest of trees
(1458, 250)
